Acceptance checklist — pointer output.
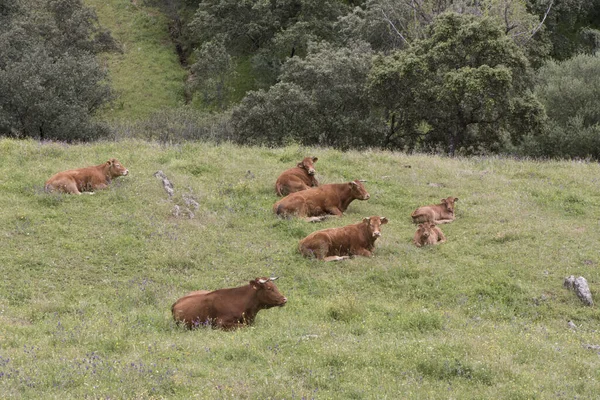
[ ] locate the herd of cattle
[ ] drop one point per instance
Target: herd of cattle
(303, 197)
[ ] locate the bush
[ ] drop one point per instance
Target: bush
(320, 100)
(177, 126)
(569, 92)
(50, 81)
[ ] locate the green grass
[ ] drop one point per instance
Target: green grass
(88, 281)
(147, 76)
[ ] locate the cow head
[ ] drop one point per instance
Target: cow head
(449, 203)
(425, 229)
(115, 168)
(358, 190)
(308, 164)
(267, 293)
(374, 224)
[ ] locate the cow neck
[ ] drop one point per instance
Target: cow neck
(303, 174)
(250, 301)
(365, 235)
(345, 193)
(105, 171)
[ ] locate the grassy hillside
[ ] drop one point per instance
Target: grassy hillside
(147, 76)
(88, 280)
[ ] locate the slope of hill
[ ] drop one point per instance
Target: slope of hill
(88, 280)
(147, 76)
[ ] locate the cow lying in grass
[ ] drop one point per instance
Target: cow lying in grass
(227, 308)
(336, 244)
(301, 177)
(439, 213)
(315, 204)
(86, 179)
(428, 233)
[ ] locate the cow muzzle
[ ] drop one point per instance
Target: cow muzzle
(311, 171)
(376, 234)
(283, 302)
(126, 172)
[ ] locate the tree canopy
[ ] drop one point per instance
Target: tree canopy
(49, 77)
(458, 89)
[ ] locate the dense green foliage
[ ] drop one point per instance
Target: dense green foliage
(50, 80)
(320, 99)
(88, 281)
(461, 89)
(569, 92)
(442, 76)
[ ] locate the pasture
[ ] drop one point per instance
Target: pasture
(88, 281)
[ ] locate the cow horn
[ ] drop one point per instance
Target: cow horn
(273, 278)
(263, 280)
(362, 180)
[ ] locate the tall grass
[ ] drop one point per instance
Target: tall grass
(88, 280)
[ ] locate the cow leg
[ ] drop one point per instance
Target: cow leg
(362, 252)
(441, 237)
(336, 258)
(443, 221)
(334, 211)
(316, 219)
(71, 188)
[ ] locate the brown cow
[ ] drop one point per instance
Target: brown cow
(299, 178)
(428, 233)
(438, 213)
(227, 308)
(336, 244)
(315, 204)
(86, 179)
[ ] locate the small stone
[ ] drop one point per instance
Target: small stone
(583, 291)
(569, 282)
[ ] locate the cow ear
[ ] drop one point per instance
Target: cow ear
(366, 220)
(456, 199)
(315, 159)
(420, 226)
(384, 220)
(254, 285)
(300, 165)
(353, 184)
(444, 201)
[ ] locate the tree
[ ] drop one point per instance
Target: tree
(573, 26)
(268, 31)
(320, 99)
(569, 92)
(390, 25)
(210, 72)
(49, 78)
(458, 89)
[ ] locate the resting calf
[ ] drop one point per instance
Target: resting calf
(438, 213)
(86, 179)
(301, 177)
(427, 233)
(315, 204)
(336, 244)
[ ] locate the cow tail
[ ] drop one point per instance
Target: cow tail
(278, 189)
